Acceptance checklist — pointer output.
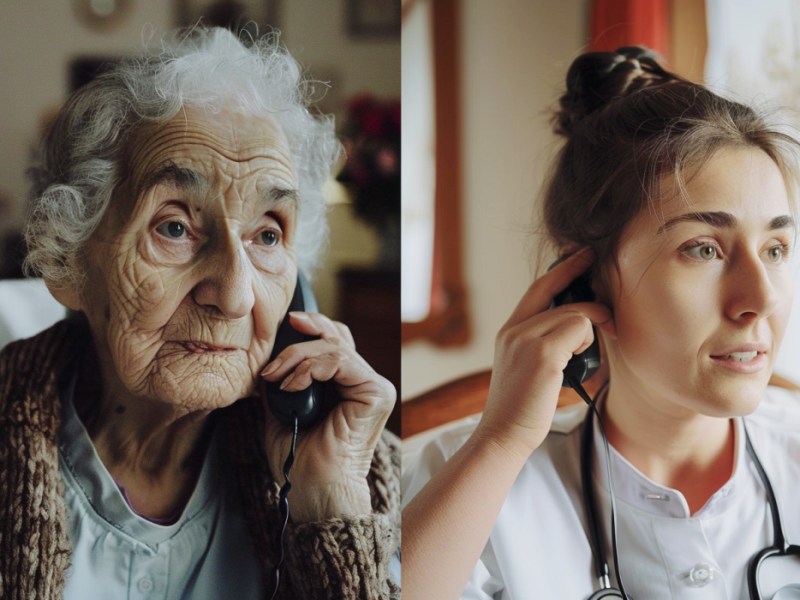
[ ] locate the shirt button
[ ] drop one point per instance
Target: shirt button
(701, 575)
(145, 585)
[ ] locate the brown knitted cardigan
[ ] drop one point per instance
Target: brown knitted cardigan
(339, 558)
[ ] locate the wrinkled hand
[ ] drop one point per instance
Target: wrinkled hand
(329, 476)
(531, 351)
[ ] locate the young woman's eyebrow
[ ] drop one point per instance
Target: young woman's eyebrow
(719, 219)
(722, 220)
(782, 222)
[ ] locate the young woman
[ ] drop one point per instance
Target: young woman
(679, 206)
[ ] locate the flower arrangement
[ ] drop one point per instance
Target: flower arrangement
(371, 137)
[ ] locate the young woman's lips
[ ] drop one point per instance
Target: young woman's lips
(750, 358)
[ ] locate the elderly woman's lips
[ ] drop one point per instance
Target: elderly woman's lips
(202, 347)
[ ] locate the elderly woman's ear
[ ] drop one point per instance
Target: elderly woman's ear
(68, 295)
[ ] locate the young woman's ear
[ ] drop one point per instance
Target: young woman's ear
(603, 290)
(609, 328)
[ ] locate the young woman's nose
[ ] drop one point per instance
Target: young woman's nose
(751, 289)
(226, 283)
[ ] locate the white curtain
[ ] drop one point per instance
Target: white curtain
(417, 157)
(754, 56)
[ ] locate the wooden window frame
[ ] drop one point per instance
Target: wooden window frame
(447, 323)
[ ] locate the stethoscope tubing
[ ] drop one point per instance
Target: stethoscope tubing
(597, 535)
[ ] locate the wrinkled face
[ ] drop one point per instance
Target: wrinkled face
(192, 267)
(704, 289)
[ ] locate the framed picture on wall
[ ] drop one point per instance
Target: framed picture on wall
(373, 18)
(233, 14)
(101, 16)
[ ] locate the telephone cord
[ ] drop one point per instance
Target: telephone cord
(283, 506)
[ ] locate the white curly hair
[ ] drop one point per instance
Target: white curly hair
(80, 163)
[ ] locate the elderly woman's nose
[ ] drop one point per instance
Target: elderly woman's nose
(226, 284)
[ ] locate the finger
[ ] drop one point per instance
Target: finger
(345, 333)
(540, 294)
(317, 324)
(341, 364)
(575, 335)
(565, 331)
(599, 314)
(318, 368)
(350, 372)
(291, 356)
(542, 324)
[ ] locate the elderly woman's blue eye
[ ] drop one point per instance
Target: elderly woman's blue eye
(172, 229)
(270, 237)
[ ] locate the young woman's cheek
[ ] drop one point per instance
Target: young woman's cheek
(784, 285)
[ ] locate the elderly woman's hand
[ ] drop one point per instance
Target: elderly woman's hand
(329, 475)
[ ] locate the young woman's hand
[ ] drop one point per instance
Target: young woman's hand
(531, 351)
(334, 456)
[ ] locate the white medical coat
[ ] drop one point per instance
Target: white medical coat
(539, 548)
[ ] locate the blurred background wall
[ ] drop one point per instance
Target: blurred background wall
(514, 56)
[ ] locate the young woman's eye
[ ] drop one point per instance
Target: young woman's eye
(703, 251)
(174, 230)
(778, 253)
(270, 237)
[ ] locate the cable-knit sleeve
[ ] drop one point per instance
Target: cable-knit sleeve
(351, 558)
(34, 543)
(341, 559)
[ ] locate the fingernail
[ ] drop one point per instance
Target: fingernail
(299, 315)
(286, 382)
(272, 367)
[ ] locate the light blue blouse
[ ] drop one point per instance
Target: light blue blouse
(206, 554)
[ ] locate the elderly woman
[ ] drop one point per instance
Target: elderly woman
(178, 199)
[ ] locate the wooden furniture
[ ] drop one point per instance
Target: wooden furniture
(448, 322)
(466, 396)
(448, 402)
(369, 304)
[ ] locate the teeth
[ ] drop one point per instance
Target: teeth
(742, 356)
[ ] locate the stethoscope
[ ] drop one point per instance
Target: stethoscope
(779, 546)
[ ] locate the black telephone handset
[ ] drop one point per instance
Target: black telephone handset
(581, 366)
(305, 404)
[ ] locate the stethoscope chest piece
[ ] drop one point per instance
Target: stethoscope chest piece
(779, 547)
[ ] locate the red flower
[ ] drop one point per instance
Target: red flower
(371, 133)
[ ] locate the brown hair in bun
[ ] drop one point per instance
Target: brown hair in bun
(629, 122)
